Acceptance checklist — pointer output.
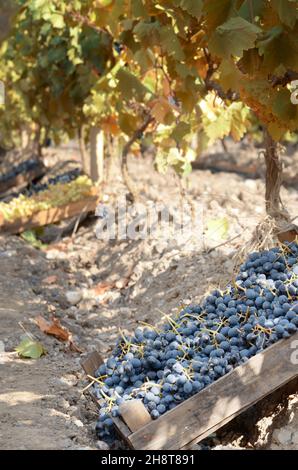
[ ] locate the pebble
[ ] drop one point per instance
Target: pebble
(83, 448)
(54, 254)
(78, 423)
(8, 253)
(234, 211)
(215, 206)
(250, 184)
(283, 436)
(94, 270)
(73, 297)
(160, 247)
(72, 312)
(101, 445)
(65, 382)
(222, 447)
(124, 310)
(63, 403)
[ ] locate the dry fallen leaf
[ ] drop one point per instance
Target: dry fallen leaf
(103, 287)
(56, 329)
(42, 323)
(60, 246)
(50, 280)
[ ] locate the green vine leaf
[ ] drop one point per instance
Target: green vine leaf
(30, 349)
(233, 38)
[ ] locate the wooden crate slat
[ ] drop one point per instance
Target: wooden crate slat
(221, 401)
(227, 420)
(49, 216)
(122, 430)
(134, 414)
(91, 363)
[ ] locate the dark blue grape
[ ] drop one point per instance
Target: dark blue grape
(187, 388)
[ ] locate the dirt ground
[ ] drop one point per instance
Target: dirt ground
(41, 401)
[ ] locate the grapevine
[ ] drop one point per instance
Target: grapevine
(125, 60)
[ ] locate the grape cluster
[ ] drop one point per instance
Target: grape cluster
(66, 177)
(163, 367)
(23, 167)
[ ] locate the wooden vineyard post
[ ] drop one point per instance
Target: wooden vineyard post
(96, 155)
(25, 138)
(83, 150)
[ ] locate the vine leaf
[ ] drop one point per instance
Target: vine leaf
(130, 86)
(287, 11)
(233, 37)
(161, 109)
(217, 12)
(57, 21)
(30, 348)
(171, 43)
(217, 229)
(218, 128)
(193, 7)
(229, 75)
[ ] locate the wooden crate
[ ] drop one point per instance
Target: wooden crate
(49, 216)
(23, 179)
(207, 411)
(251, 170)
